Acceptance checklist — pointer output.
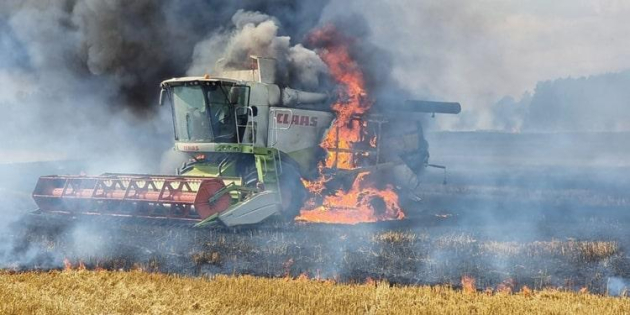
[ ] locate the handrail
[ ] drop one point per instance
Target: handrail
(275, 124)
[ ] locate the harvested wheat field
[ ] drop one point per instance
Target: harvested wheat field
(135, 292)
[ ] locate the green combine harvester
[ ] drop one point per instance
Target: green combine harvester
(246, 144)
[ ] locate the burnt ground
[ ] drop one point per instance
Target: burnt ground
(535, 210)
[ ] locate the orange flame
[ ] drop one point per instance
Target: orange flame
(468, 284)
(370, 282)
(507, 286)
(287, 267)
(303, 277)
(67, 265)
(361, 202)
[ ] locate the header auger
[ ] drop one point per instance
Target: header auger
(247, 144)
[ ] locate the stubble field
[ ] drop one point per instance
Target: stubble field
(519, 215)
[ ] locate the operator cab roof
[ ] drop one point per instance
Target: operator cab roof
(182, 80)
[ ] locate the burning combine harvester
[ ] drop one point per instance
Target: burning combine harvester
(255, 150)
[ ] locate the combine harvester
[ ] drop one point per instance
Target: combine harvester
(248, 144)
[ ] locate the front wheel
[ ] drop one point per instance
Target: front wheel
(292, 191)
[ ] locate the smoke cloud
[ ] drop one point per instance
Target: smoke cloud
(121, 51)
(595, 103)
(255, 33)
(104, 58)
(478, 53)
(81, 77)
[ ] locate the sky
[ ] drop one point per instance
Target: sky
(477, 52)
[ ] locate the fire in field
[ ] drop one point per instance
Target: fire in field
(316, 154)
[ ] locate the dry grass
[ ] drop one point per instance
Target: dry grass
(397, 237)
(103, 292)
(580, 250)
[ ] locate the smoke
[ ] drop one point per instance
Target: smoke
(111, 55)
(375, 63)
(478, 53)
(255, 33)
(121, 51)
(595, 103)
(617, 286)
(81, 77)
(508, 113)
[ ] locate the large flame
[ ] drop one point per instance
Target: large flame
(363, 202)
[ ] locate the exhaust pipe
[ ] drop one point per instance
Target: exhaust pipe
(291, 97)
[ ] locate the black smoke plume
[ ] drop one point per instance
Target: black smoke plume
(125, 48)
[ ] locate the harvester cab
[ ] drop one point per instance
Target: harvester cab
(247, 142)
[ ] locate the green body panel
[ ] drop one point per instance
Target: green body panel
(212, 170)
(265, 159)
(267, 167)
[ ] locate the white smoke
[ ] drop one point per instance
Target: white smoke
(255, 33)
(616, 286)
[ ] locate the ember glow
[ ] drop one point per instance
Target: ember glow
(363, 202)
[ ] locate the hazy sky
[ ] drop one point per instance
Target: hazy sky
(479, 51)
(472, 51)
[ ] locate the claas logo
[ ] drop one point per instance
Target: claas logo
(299, 120)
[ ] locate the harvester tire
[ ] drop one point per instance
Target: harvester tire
(292, 191)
